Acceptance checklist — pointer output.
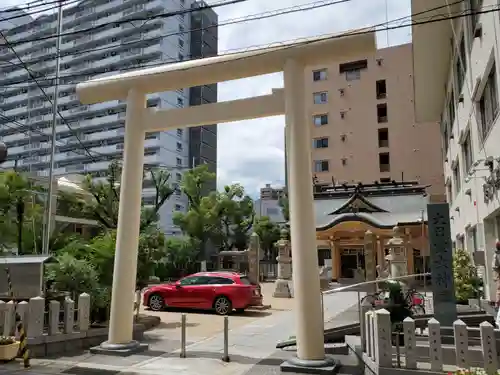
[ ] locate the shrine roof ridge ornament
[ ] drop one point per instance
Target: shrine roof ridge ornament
(324, 190)
(228, 67)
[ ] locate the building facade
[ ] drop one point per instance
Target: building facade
(363, 123)
(456, 86)
(93, 45)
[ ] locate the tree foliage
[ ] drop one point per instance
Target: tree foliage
(268, 231)
(467, 283)
(102, 200)
(223, 218)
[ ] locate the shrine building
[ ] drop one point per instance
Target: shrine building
(345, 213)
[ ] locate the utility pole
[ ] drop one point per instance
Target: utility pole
(50, 198)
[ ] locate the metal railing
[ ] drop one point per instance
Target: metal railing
(364, 283)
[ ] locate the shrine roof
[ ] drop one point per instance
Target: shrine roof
(381, 208)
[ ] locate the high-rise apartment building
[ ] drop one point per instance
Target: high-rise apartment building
(363, 123)
(89, 137)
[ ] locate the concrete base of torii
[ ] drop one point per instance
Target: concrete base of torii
(282, 289)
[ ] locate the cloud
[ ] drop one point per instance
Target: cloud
(252, 152)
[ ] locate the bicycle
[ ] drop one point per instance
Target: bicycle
(375, 299)
(415, 301)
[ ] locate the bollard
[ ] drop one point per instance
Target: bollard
(225, 358)
(183, 336)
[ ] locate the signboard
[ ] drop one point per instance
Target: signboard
(441, 257)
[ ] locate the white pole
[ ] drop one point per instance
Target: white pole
(50, 195)
(129, 217)
(309, 315)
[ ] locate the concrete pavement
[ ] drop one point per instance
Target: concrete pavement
(251, 344)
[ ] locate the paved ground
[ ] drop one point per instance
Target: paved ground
(205, 324)
(252, 343)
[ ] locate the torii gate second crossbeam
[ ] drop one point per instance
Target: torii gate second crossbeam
(292, 59)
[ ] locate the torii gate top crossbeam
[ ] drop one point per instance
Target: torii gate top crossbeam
(229, 67)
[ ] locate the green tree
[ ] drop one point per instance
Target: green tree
(20, 204)
(268, 231)
(102, 200)
(200, 220)
(179, 260)
(235, 215)
(285, 210)
(467, 283)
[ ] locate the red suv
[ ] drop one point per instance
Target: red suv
(219, 291)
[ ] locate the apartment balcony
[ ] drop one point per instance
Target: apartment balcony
(13, 99)
(16, 111)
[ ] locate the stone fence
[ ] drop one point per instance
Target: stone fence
(53, 327)
(442, 349)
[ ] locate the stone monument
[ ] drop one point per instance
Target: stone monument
(282, 284)
(254, 258)
(397, 254)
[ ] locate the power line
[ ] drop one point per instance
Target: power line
(128, 20)
(29, 6)
(374, 30)
(441, 18)
(32, 76)
(254, 17)
(248, 18)
(34, 12)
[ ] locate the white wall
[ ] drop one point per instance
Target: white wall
(467, 207)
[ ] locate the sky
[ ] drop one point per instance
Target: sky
(252, 152)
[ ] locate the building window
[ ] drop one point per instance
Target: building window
(449, 192)
(178, 161)
(467, 153)
(382, 112)
(321, 166)
(178, 176)
(383, 137)
(451, 109)
(461, 65)
(181, 57)
(384, 162)
(180, 132)
(179, 146)
(488, 104)
(445, 138)
(320, 120)
(456, 177)
(381, 89)
(320, 143)
(180, 102)
(353, 69)
(319, 75)
(320, 97)
(272, 211)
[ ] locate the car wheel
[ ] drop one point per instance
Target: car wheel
(156, 302)
(223, 306)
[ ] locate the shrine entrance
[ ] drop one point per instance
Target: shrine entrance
(352, 263)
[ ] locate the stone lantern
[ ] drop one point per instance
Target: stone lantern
(282, 283)
(397, 254)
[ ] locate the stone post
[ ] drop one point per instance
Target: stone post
(254, 258)
(370, 264)
(282, 283)
(397, 258)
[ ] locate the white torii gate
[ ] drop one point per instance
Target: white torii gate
(291, 58)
